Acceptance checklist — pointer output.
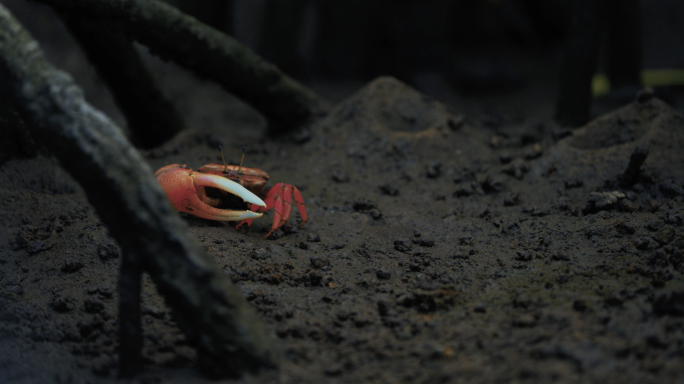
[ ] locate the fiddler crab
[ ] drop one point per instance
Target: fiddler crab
(205, 192)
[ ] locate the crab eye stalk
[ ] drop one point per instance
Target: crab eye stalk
(239, 171)
(225, 167)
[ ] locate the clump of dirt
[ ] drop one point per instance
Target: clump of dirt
(439, 248)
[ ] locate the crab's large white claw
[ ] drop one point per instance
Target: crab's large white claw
(181, 186)
(209, 180)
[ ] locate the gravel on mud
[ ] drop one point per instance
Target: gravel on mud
(430, 255)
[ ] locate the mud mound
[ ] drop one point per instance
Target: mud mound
(623, 126)
(432, 254)
(601, 150)
(388, 112)
(388, 105)
(390, 128)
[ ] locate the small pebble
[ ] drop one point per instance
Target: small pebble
(334, 370)
(627, 227)
(340, 176)
(573, 183)
(383, 307)
(383, 274)
(71, 266)
(434, 170)
(653, 226)
(645, 95)
(153, 311)
(389, 190)
(510, 200)
(579, 306)
(670, 188)
(93, 306)
(523, 256)
(535, 152)
(428, 241)
(672, 218)
(375, 214)
(642, 242)
(364, 205)
(627, 205)
(560, 133)
(456, 122)
(34, 247)
(557, 256)
(63, 304)
(664, 235)
(319, 262)
(402, 245)
(525, 321)
(313, 238)
(463, 192)
(108, 251)
(516, 168)
(600, 201)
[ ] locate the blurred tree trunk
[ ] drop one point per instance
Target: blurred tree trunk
(352, 39)
(622, 21)
(579, 62)
(282, 34)
(16, 142)
(624, 44)
(152, 118)
(173, 35)
(130, 321)
(216, 13)
(366, 39)
(207, 307)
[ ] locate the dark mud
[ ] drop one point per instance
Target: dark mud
(477, 242)
(439, 248)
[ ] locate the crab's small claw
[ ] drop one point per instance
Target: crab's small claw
(181, 187)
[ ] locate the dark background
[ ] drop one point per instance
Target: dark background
(462, 52)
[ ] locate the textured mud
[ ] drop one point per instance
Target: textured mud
(443, 244)
(439, 248)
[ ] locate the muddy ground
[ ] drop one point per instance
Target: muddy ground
(457, 243)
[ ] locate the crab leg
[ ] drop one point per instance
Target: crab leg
(281, 195)
(253, 208)
(287, 204)
(279, 198)
(269, 201)
(300, 204)
(277, 218)
(272, 200)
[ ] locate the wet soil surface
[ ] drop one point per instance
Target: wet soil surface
(440, 247)
(443, 244)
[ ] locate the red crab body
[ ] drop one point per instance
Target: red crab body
(186, 191)
(278, 197)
